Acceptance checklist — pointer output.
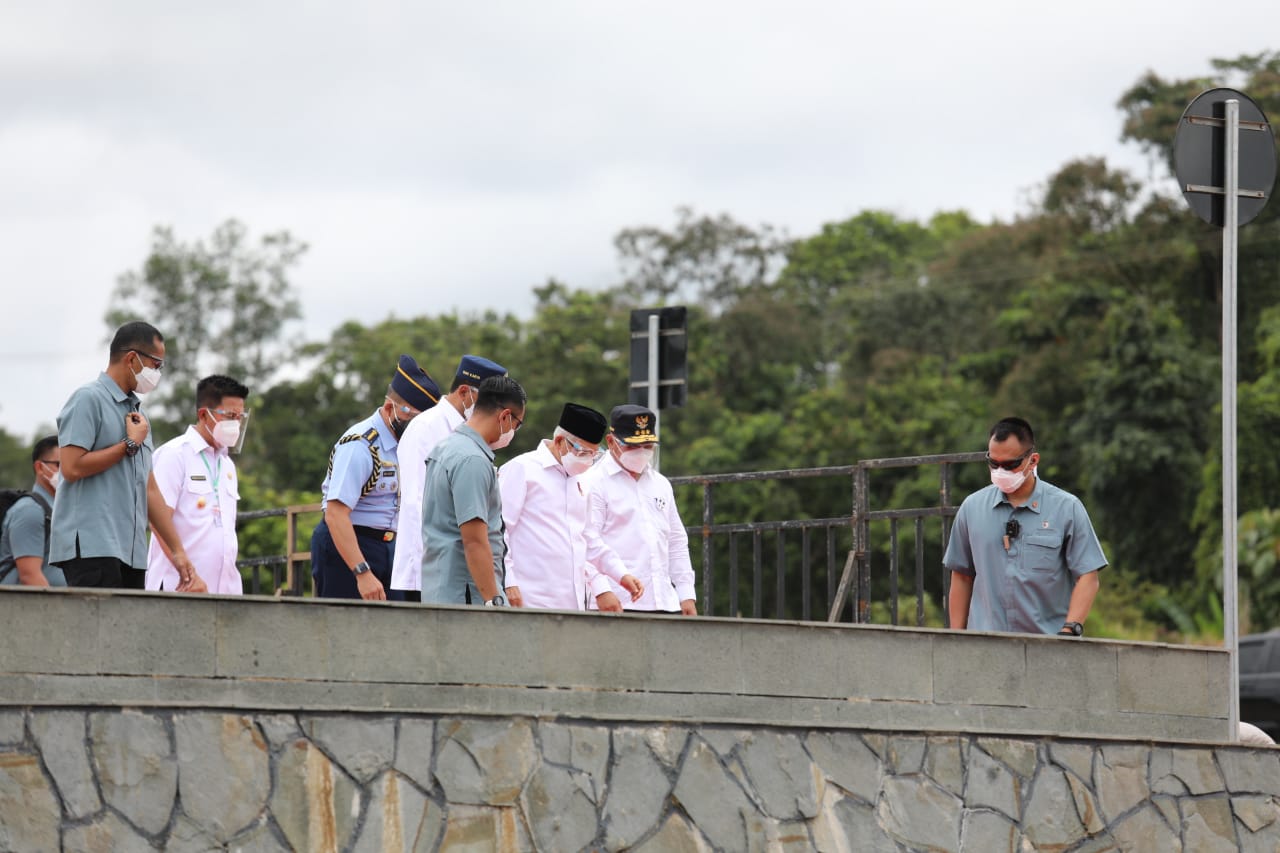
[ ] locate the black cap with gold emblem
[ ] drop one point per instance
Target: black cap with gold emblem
(633, 424)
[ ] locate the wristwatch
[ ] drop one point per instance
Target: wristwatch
(498, 600)
(131, 447)
(1074, 629)
(360, 568)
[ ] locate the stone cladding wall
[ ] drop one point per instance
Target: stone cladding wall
(189, 780)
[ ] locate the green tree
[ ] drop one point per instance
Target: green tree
(222, 305)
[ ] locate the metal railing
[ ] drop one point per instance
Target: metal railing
(818, 566)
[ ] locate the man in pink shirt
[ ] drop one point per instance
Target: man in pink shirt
(544, 508)
(196, 478)
(632, 525)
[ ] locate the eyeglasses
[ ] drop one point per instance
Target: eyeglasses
(1009, 464)
(404, 410)
(159, 361)
(579, 450)
(56, 463)
(224, 415)
(519, 421)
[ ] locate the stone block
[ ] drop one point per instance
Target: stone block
(788, 785)
(980, 670)
(1072, 674)
(62, 739)
(415, 750)
(484, 762)
(1145, 829)
(12, 731)
(485, 828)
(1076, 757)
(157, 634)
(314, 803)
(848, 762)
(362, 746)
(676, 835)
(399, 819)
(919, 814)
(108, 832)
(1173, 680)
(1020, 756)
(906, 754)
(990, 784)
(559, 806)
(224, 772)
(1249, 770)
(133, 758)
(943, 764)
(1256, 812)
(696, 656)
(296, 647)
(983, 831)
(1050, 820)
(1120, 779)
(638, 789)
(1208, 825)
(67, 627)
(581, 748)
(715, 802)
(1184, 771)
(846, 825)
(29, 809)
(386, 643)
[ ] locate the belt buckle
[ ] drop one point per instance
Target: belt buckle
(388, 535)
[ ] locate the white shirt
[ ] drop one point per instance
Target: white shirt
(544, 511)
(421, 435)
(199, 483)
(633, 528)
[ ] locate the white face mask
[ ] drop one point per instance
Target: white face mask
(503, 440)
(466, 413)
(226, 433)
(573, 464)
(636, 460)
(56, 480)
(1010, 481)
(148, 380)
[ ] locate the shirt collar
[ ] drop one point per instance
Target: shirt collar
(1033, 500)
(545, 456)
(193, 437)
(470, 433)
(117, 393)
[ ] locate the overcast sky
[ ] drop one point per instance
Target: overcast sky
(442, 156)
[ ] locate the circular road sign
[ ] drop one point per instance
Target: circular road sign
(1198, 153)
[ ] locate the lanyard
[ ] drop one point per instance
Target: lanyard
(215, 474)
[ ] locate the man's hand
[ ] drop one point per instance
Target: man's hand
(370, 587)
(514, 598)
(607, 602)
(689, 607)
(196, 585)
(633, 586)
(187, 576)
(136, 426)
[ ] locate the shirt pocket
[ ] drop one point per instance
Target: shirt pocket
(1044, 550)
(199, 487)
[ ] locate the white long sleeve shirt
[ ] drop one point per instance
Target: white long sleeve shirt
(199, 484)
(633, 528)
(544, 511)
(420, 437)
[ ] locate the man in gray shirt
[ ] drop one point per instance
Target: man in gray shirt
(1023, 555)
(98, 534)
(24, 536)
(462, 533)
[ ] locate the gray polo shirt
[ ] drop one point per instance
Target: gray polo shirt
(462, 485)
(1028, 587)
(106, 514)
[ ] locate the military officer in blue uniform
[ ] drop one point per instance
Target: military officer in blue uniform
(353, 547)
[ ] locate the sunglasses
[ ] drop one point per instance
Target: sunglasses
(1008, 464)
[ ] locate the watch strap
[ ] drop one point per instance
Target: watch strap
(360, 568)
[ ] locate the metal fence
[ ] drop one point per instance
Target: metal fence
(785, 568)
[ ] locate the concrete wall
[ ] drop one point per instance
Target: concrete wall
(136, 722)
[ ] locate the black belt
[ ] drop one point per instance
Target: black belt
(384, 535)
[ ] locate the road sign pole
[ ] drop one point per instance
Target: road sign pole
(1230, 544)
(653, 379)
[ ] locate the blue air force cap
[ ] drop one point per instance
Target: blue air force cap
(413, 385)
(473, 369)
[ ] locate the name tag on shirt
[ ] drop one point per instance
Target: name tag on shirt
(200, 478)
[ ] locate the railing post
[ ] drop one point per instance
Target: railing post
(708, 519)
(862, 536)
